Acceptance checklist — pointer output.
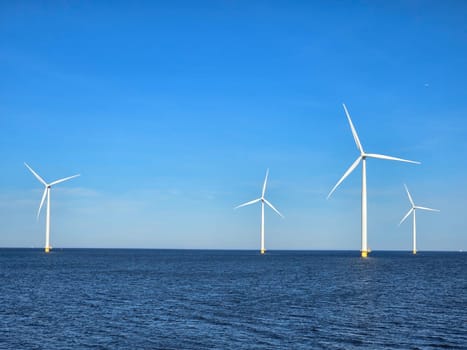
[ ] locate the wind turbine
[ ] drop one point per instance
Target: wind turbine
(47, 194)
(362, 158)
(263, 200)
(412, 210)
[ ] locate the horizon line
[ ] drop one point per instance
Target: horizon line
(238, 249)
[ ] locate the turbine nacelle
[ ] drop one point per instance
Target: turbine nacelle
(363, 155)
(262, 199)
(413, 206)
(47, 186)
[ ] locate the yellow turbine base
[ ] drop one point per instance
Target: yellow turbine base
(414, 252)
(47, 249)
(262, 251)
(364, 254)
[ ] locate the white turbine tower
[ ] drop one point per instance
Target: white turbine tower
(362, 158)
(47, 194)
(412, 210)
(263, 200)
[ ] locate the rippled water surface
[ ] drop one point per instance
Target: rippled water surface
(183, 299)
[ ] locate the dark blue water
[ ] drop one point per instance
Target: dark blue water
(164, 299)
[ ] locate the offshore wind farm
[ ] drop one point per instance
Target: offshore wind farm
(173, 113)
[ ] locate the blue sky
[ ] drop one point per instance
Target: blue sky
(172, 111)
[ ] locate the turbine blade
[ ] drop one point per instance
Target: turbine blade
(352, 167)
(248, 203)
(63, 180)
(42, 202)
(408, 194)
(265, 182)
(406, 215)
(36, 175)
(425, 208)
(354, 132)
(272, 207)
(381, 156)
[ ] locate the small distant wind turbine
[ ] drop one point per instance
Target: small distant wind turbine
(47, 194)
(263, 200)
(412, 210)
(362, 158)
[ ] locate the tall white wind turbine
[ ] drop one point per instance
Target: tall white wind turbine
(362, 158)
(412, 210)
(263, 200)
(47, 188)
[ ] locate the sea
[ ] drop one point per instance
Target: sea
(219, 299)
